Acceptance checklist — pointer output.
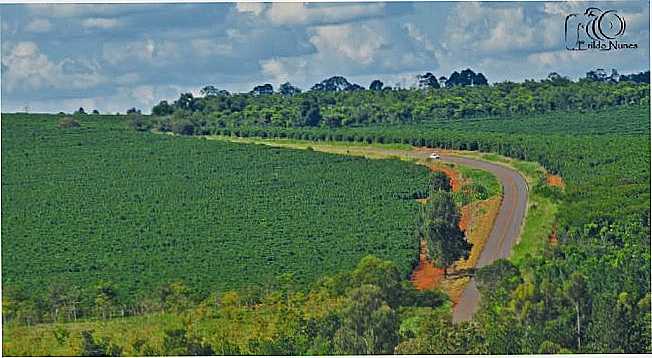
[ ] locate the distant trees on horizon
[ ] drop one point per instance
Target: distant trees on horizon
(337, 102)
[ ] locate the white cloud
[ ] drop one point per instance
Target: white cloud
(488, 29)
(26, 67)
(127, 78)
(39, 25)
(100, 23)
(84, 10)
(285, 69)
(423, 40)
(144, 94)
(294, 13)
(359, 43)
(253, 7)
(146, 50)
(210, 47)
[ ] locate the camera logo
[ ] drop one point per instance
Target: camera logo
(595, 29)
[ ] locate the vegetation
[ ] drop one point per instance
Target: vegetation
(439, 227)
(97, 220)
(68, 122)
(367, 310)
(559, 297)
(336, 103)
(589, 292)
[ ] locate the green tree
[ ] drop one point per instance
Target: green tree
(376, 85)
(382, 274)
(175, 297)
(440, 181)
(162, 109)
(106, 298)
(287, 89)
(369, 325)
(177, 342)
(577, 292)
(446, 241)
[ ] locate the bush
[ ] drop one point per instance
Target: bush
(98, 348)
(69, 122)
(183, 127)
(138, 123)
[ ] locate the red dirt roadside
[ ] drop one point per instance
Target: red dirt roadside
(426, 275)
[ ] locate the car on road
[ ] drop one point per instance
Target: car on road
(434, 155)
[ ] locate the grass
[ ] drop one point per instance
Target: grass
(40, 340)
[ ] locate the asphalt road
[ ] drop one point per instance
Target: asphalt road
(504, 233)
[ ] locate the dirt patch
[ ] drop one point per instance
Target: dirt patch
(555, 180)
(426, 275)
(465, 217)
(454, 175)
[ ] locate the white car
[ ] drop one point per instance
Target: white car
(434, 156)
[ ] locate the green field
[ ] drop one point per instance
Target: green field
(103, 202)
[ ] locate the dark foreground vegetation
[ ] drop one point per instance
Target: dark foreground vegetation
(589, 291)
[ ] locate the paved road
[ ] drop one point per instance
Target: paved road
(504, 233)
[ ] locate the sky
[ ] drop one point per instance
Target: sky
(58, 57)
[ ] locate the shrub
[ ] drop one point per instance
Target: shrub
(183, 127)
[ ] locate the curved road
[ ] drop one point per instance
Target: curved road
(504, 233)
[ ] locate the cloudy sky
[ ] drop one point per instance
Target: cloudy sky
(112, 57)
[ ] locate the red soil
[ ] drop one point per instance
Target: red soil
(465, 218)
(454, 175)
(555, 180)
(426, 275)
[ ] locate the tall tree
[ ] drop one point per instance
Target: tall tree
(263, 89)
(162, 109)
(287, 89)
(376, 85)
(427, 80)
(208, 91)
(480, 80)
(577, 292)
(440, 181)
(310, 112)
(446, 241)
(369, 325)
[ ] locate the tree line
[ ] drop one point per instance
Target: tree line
(335, 102)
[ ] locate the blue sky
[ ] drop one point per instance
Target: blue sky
(59, 57)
